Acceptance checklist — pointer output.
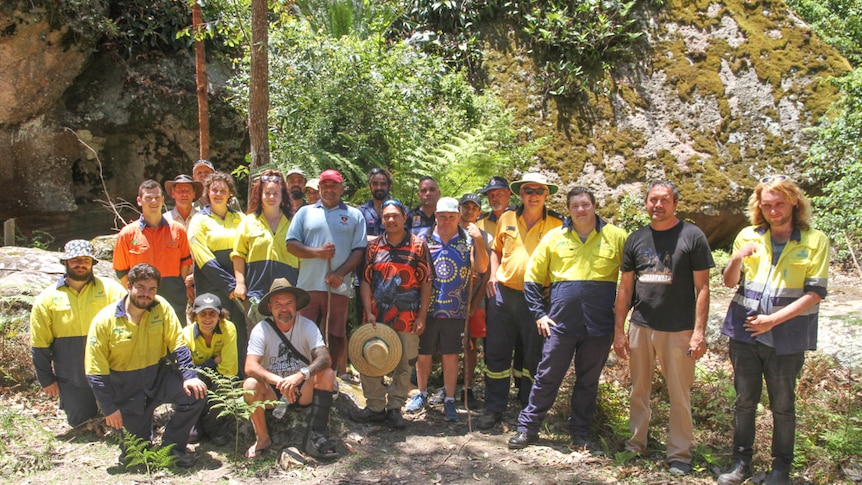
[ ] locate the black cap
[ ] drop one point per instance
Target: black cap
(471, 198)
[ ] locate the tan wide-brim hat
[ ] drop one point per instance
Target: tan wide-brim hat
(281, 285)
(374, 349)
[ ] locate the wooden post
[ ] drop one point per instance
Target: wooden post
(9, 232)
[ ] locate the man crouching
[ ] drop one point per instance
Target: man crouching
(288, 360)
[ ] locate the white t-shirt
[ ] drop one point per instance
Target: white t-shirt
(277, 357)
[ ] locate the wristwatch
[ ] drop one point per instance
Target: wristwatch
(305, 372)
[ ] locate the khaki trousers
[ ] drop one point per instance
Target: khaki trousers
(373, 388)
(671, 350)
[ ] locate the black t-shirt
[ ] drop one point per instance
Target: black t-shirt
(664, 262)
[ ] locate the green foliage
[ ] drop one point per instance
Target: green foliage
(339, 18)
(838, 22)
(26, 446)
(140, 452)
(227, 397)
(15, 363)
(39, 239)
(721, 258)
(353, 104)
(631, 214)
(141, 27)
(835, 159)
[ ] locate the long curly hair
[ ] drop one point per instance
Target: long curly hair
(791, 192)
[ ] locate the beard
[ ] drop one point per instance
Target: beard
(380, 194)
(296, 194)
(85, 276)
(140, 303)
(284, 316)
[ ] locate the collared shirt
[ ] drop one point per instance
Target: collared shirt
(373, 221)
(223, 344)
(174, 215)
(59, 322)
(264, 252)
(583, 277)
(452, 271)
(802, 267)
(418, 219)
(396, 273)
(488, 221)
(212, 239)
(314, 225)
(515, 243)
(122, 358)
(166, 247)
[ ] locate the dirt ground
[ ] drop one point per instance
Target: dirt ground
(430, 450)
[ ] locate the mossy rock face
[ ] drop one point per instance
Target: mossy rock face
(720, 95)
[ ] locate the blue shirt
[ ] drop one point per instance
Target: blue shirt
(314, 225)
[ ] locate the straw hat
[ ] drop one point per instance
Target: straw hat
(185, 179)
(374, 349)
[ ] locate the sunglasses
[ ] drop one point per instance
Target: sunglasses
(270, 178)
(397, 203)
(773, 178)
(534, 190)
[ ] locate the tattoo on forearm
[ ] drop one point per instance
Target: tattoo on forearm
(319, 359)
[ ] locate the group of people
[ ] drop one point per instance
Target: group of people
(269, 301)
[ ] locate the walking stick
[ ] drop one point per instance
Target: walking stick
(328, 303)
(467, 340)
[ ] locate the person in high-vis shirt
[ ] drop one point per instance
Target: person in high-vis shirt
(581, 260)
(212, 237)
(781, 266)
(59, 323)
(518, 234)
(211, 338)
(126, 367)
(260, 253)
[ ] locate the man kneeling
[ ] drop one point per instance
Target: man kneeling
(287, 359)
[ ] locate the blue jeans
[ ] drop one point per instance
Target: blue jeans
(752, 363)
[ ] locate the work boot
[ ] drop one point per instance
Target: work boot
(522, 440)
(736, 475)
(396, 421)
(366, 415)
(778, 477)
(489, 420)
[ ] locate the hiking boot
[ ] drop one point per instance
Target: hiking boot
(736, 475)
(522, 440)
(438, 397)
(366, 415)
(489, 420)
(449, 409)
(472, 402)
(416, 403)
(182, 459)
(679, 469)
(395, 419)
(777, 477)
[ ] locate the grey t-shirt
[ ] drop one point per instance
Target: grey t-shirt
(277, 357)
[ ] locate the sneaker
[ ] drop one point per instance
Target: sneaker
(366, 415)
(449, 409)
(679, 469)
(472, 402)
(416, 403)
(182, 459)
(395, 419)
(489, 420)
(438, 397)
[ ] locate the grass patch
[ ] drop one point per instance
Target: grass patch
(26, 446)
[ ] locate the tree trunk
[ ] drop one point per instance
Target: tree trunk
(259, 88)
(201, 80)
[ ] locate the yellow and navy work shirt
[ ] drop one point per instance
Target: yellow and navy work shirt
(802, 267)
(122, 358)
(212, 239)
(514, 243)
(583, 277)
(59, 323)
(223, 344)
(265, 253)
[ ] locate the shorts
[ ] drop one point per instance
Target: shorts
(442, 335)
(478, 329)
(316, 312)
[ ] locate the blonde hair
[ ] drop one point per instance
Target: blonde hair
(791, 192)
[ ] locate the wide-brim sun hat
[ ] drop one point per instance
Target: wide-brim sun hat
(281, 285)
(533, 178)
(185, 179)
(374, 349)
(77, 248)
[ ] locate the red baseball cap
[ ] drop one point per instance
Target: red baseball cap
(331, 175)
